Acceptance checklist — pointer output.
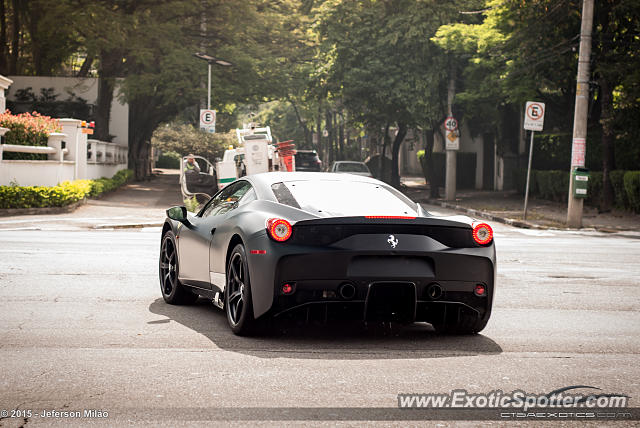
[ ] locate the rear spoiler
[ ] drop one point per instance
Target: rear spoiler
(453, 221)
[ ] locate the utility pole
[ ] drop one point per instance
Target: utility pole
(578, 148)
(450, 176)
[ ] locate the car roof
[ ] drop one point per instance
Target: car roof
(360, 163)
(269, 178)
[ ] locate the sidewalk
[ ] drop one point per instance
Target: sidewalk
(507, 207)
(137, 204)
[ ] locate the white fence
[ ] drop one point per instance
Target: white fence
(70, 156)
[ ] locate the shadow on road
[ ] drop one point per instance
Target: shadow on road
(340, 342)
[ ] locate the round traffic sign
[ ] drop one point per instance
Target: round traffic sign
(450, 124)
(535, 111)
(208, 117)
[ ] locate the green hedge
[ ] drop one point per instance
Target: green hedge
(103, 185)
(632, 188)
(65, 193)
(594, 189)
(617, 182)
(169, 160)
(554, 186)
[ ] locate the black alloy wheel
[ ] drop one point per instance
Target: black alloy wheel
(173, 292)
(238, 293)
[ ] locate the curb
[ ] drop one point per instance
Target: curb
(9, 212)
(523, 224)
(126, 226)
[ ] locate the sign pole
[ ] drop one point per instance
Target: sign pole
(533, 121)
(209, 86)
(526, 192)
(451, 149)
(578, 147)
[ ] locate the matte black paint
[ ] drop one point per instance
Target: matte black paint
(360, 258)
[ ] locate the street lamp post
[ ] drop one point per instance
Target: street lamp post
(211, 60)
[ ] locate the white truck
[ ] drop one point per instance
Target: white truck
(254, 154)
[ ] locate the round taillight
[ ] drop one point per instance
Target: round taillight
(279, 229)
(480, 290)
(287, 288)
(482, 233)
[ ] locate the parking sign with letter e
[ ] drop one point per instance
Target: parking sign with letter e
(534, 116)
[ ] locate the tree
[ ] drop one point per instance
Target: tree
(380, 61)
(185, 139)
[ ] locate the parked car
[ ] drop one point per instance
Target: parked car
(351, 167)
(308, 160)
(314, 245)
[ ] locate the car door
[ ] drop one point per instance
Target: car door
(194, 239)
(224, 232)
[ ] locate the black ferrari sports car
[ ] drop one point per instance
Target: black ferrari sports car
(321, 246)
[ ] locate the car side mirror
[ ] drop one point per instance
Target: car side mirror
(178, 214)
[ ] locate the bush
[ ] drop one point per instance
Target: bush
(553, 185)
(27, 130)
(521, 181)
(65, 193)
(619, 193)
(594, 189)
(169, 160)
(632, 188)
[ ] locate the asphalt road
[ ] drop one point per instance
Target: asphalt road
(84, 327)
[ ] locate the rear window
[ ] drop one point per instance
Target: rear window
(343, 198)
(352, 167)
(306, 156)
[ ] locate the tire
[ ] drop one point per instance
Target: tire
(237, 294)
(173, 292)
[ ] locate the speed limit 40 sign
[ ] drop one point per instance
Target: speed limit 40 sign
(453, 136)
(450, 124)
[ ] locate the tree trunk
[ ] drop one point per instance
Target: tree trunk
(434, 191)
(32, 19)
(103, 108)
(143, 120)
(323, 156)
(385, 142)
(329, 123)
(15, 39)
(301, 122)
(110, 63)
(3, 39)
(608, 158)
(341, 138)
(86, 66)
(395, 152)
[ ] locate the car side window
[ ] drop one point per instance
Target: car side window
(228, 199)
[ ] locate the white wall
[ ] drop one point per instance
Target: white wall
(35, 172)
(4, 85)
(86, 88)
(473, 145)
(101, 170)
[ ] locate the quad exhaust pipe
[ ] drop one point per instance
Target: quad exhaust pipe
(347, 291)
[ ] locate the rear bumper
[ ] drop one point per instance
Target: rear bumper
(400, 301)
(388, 285)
